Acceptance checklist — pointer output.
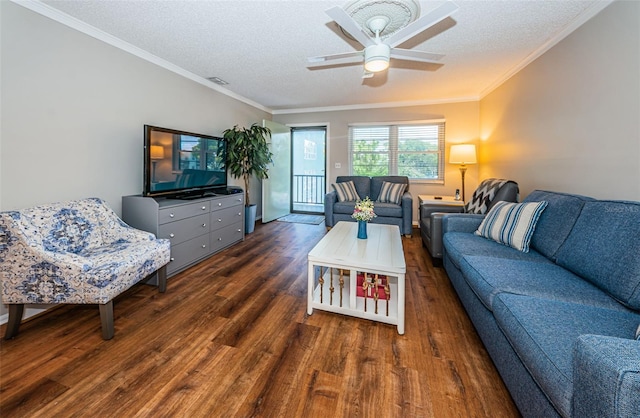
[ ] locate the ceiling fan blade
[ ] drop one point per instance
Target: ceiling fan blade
(355, 56)
(411, 55)
(347, 23)
(423, 23)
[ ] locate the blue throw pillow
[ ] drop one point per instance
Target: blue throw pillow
(512, 224)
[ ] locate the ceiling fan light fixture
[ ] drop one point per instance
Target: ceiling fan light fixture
(376, 57)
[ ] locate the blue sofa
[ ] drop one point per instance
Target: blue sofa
(559, 321)
(387, 213)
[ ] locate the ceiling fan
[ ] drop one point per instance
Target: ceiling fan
(380, 26)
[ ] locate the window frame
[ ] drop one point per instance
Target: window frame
(393, 151)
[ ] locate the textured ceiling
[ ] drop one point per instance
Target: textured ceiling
(260, 46)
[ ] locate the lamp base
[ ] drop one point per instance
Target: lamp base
(463, 170)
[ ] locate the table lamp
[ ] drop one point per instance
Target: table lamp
(462, 154)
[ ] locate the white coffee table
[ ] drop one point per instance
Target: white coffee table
(340, 255)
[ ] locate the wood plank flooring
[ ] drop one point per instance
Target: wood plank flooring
(231, 338)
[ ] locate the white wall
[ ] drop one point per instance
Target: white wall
(569, 121)
(73, 110)
(462, 126)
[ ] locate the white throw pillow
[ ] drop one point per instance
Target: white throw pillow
(512, 224)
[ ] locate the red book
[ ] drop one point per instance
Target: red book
(382, 281)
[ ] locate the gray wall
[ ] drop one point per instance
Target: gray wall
(569, 121)
(73, 110)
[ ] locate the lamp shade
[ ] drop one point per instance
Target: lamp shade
(376, 57)
(157, 152)
(462, 154)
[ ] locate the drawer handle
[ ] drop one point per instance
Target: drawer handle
(171, 235)
(239, 230)
(171, 215)
(204, 245)
(239, 213)
(219, 220)
(171, 259)
(239, 199)
(204, 208)
(219, 204)
(219, 239)
(204, 225)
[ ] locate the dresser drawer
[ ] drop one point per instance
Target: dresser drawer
(224, 217)
(226, 236)
(185, 229)
(176, 213)
(187, 252)
(226, 202)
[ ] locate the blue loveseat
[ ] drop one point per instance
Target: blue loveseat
(560, 321)
(387, 213)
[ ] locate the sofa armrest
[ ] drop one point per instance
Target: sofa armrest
(407, 213)
(461, 222)
(329, 199)
(606, 377)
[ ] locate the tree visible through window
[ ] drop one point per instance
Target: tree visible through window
(413, 150)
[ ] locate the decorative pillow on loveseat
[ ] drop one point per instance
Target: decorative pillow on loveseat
(391, 192)
(346, 191)
(638, 333)
(512, 224)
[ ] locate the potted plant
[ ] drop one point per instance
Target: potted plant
(248, 155)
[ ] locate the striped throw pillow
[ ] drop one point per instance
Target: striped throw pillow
(391, 192)
(638, 333)
(346, 191)
(512, 224)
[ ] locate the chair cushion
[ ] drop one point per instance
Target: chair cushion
(346, 191)
(511, 224)
(391, 192)
(483, 196)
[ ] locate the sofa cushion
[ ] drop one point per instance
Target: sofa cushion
(543, 333)
(376, 184)
(346, 191)
(391, 192)
(512, 224)
(488, 279)
(388, 210)
(604, 248)
(361, 183)
(460, 245)
(556, 221)
(344, 207)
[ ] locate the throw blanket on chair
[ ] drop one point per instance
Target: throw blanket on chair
(483, 196)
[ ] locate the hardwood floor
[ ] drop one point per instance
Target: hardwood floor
(231, 337)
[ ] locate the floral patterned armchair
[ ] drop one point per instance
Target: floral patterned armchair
(74, 252)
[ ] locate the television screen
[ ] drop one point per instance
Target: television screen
(177, 162)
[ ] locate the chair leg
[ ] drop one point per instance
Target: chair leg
(106, 318)
(162, 279)
(15, 317)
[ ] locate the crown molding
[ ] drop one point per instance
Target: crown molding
(580, 20)
(375, 105)
(70, 21)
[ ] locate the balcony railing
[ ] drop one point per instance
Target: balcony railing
(308, 189)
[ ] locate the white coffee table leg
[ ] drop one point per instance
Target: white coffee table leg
(401, 304)
(311, 286)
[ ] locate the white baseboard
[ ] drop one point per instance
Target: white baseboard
(28, 313)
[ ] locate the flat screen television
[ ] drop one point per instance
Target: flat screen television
(183, 164)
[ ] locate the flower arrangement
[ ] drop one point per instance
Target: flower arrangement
(363, 211)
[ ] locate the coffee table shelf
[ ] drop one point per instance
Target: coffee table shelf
(380, 254)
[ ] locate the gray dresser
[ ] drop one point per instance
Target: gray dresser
(197, 228)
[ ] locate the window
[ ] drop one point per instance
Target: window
(415, 150)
